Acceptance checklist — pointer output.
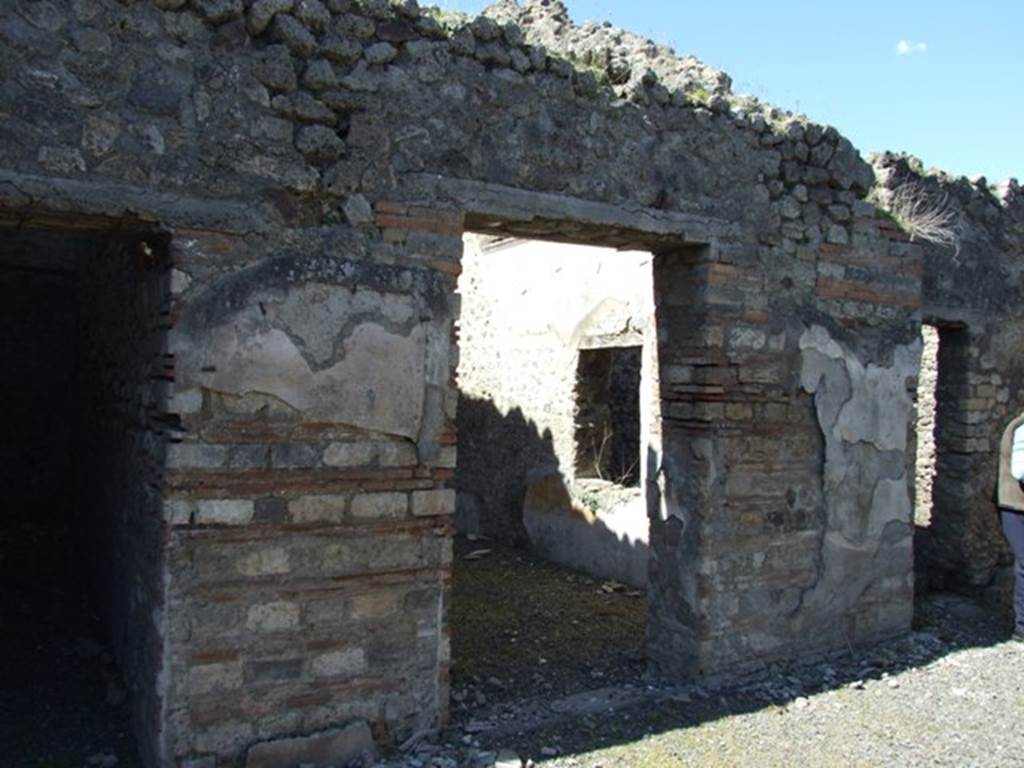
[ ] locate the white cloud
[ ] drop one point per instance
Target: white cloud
(905, 47)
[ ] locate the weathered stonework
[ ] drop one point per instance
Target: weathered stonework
(972, 292)
(302, 175)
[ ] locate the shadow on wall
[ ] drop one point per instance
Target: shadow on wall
(510, 487)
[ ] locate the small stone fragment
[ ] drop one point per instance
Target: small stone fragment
(313, 14)
(218, 11)
(275, 68)
(357, 210)
(293, 33)
(61, 159)
(319, 76)
(341, 49)
(318, 143)
(304, 108)
(485, 28)
(380, 53)
(262, 13)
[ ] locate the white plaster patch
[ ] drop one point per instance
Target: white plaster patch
(316, 314)
(377, 384)
(878, 406)
(864, 413)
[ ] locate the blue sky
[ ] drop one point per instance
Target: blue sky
(942, 79)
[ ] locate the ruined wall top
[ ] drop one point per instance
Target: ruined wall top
(973, 234)
(233, 99)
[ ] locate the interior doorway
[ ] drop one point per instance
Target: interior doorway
(943, 481)
(81, 320)
(558, 400)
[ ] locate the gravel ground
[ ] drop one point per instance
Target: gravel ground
(547, 670)
(949, 694)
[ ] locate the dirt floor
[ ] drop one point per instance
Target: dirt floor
(522, 627)
(62, 703)
(548, 670)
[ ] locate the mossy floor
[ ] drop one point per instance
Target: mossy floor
(523, 627)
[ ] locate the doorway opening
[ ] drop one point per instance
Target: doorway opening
(558, 397)
(80, 356)
(942, 476)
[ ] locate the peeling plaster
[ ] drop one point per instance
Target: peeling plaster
(864, 411)
(377, 383)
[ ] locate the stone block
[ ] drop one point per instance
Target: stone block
(396, 454)
(271, 510)
(433, 503)
(341, 455)
(380, 506)
(224, 512)
(214, 677)
(294, 456)
(343, 663)
(352, 745)
(273, 670)
(273, 617)
(196, 456)
(178, 511)
(375, 605)
(270, 561)
(318, 509)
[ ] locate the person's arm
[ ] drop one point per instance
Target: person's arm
(1017, 454)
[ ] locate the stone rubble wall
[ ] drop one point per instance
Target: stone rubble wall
(973, 292)
(314, 166)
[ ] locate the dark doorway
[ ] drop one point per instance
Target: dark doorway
(73, 371)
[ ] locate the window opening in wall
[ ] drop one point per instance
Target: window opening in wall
(557, 399)
(79, 327)
(608, 415)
